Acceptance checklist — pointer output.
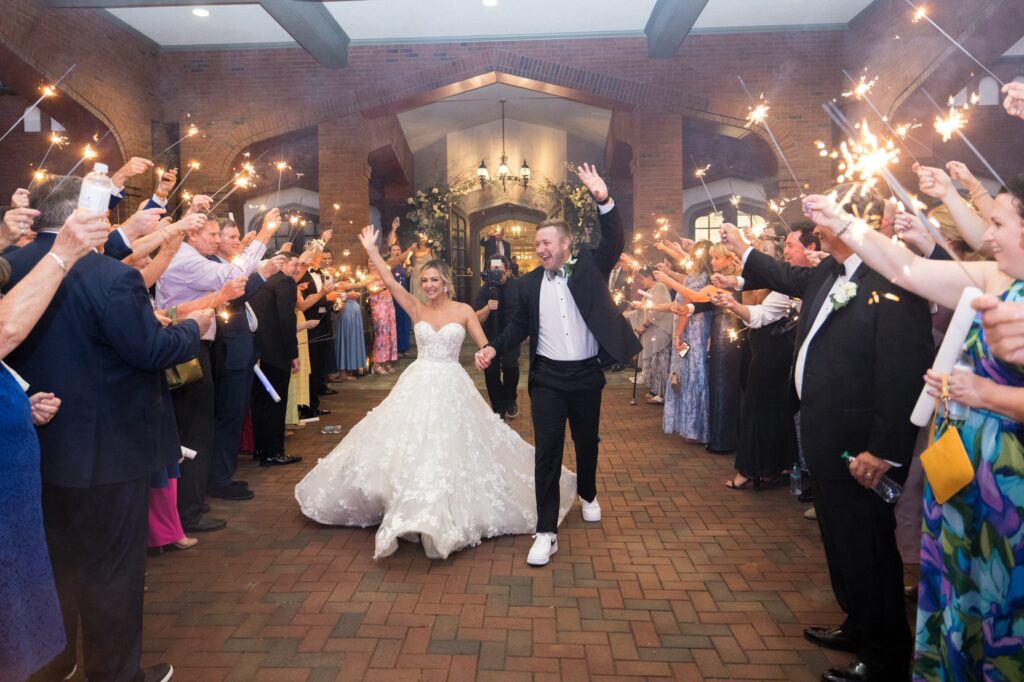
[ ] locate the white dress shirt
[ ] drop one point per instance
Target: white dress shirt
(562, 334)
(773, 308)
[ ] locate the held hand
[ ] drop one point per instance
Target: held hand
(815, 257)
(484, 356)
(310, 324)
(962, 174)
(965, 388)
(18, 221)
(200, 202)
(1014, 102)
(732, 238)
(135, 166)
(867, 469)
(681, 309)
(43, 407)
(271, 220)
(20, 198)
(246, 240)
(167, 182)
(81, 233)
(162, 318)
(326, 236)
(204, 318)
(368, 238)
(725, 281)
(934, 182)
(723, 300)
(913, 232)
(395, 223)
(1003, 324)
(303, 286)
(825, 212)
(142, 223)
(329, 286)
(593, 182)
(232, 289)
(492, 304)
(677, 343)
(191, 222)
(296, 365)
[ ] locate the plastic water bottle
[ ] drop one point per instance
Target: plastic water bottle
(888, 489)
(958, 411)
(795, 484)
(96, 190)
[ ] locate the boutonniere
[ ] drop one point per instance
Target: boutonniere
(843, 295)
(569, 265)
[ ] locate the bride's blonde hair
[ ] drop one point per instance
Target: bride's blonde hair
(444, 271)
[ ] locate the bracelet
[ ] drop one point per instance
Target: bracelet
(59, 261)
(845, 227)
(605, 202)
(979, 191)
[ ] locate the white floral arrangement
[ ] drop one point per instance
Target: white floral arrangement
(843, 295)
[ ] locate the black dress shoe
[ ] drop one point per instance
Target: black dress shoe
(832, 638)
(205, 525)
(858, 671)
(279, 460)
(513, 411)
(161, 672)
(328, 391)
(231, 492)
(205, 508)
(244, 484)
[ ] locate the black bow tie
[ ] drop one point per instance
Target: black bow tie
(552, 274)
(838, 269)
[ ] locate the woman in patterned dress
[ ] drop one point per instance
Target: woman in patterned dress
(970, 616)
(385, 337)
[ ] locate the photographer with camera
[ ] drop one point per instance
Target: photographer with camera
(495, 303)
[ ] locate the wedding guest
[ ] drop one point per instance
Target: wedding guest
(686, 401)
(724, 352)
(330, 364)
(495, 245)
(969, 615)
(315, 308)
(403, 324)
(102, 351)
(856, 376)
(299, 385)
(350, 347)
(382, 313)
(31, 629)
(274, 305)
(653, 323)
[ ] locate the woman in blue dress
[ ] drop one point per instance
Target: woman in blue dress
(349, 344)
(403, 324)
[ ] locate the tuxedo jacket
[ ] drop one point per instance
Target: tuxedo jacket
(588, 284)
(101, 350)
(490, 245)
(864, 366)
(274, 305)
(235, 347)
(620, 283)
(321, 311)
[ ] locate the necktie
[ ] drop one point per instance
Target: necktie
(551, 274)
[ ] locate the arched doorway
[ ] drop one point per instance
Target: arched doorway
(508, 216)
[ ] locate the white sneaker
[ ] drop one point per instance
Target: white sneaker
(544, 545)
(811, 514)
(591, 510)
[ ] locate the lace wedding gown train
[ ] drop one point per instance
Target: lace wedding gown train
(431, 463)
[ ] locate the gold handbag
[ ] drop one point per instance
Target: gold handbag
(945, 462)
(186, 372)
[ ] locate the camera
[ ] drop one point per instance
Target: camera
(493, 274)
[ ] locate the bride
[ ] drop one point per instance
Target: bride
(432, 462)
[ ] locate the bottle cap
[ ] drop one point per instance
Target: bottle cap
(100, 168)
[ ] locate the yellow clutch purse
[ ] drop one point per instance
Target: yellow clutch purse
(947, 465)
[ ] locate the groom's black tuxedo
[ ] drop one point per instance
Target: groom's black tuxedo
(589, 286)
(570, 390)
(861, 376)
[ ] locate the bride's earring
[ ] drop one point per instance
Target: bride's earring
(446, 290)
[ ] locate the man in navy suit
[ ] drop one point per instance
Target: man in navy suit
(101, 349)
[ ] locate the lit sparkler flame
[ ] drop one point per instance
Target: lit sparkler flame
(346, 253)
(861, 89)
(758, 114)
(192, 130)
(241, 181)
(89, 152)
(862, 159)
(701, 172)
(921, 13)
(186, 195)
(735, 200)
(337, 207)
(903, 129)
(194, 165)
(48, 91)
(951, 123)
(58, 140)
(39, 175)
(281, 165)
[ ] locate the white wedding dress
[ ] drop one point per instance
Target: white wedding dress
(431, 463)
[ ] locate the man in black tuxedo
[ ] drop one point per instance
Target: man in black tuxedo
(318, 284)
(495, 304)
(566, 310)
(863, 345)
(101, 349)
(274, 305)
(495, 246)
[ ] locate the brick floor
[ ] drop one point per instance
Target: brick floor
(682, 579)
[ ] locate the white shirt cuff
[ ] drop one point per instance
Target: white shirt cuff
(162, 203)
(604, 208)
(124, 237)
(740, 282)
(746, 254)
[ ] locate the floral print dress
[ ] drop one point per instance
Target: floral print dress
(970, 610)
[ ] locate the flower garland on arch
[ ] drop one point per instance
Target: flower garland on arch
(578, 207)
(430, 208)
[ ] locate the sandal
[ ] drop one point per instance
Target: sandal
(185, 543)
(732, 485)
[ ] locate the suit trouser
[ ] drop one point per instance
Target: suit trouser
(561, 391)
(318, 349)
(194, 412)
(97, 542)
(233, 388)
(502, 379)
(268, 416)
(858, 532)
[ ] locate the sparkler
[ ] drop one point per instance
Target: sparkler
(88, 153)
(192, 131)
(337, 207)
(759, 115)
(48, 91)
(281, 166)
(700, 173)
(860, 88)
(922, 13)
(960, 134)
(951, 123)
(240, 182)
(56, 140)
(192, 165)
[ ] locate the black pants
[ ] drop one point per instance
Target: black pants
(194, 413)
(561, 391)
(233, 389)
(97, 542)
(502, 379)
(268, 416)
(318, 349)
(858, 531)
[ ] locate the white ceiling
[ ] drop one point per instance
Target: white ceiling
(427, 124)
(412, 21)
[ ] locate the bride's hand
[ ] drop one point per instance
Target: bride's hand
(368, 238)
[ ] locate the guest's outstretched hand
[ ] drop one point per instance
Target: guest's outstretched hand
(1014, 102)
(200, 202)
(167, 182)
(592, 181)
(232, 289)
(368, 238)
(17, 222)
(271, 219)
(142, 223)
(82, 232)
(826, 212)
(191, 221)
(815, 257)
(733, 238)
(1003, 323)
(135, 166)
(934, 182)
(20, 198)
(725, 281)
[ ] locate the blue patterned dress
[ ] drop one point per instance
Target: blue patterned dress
(970, 609)
(403, 323)
(686, 412)
(31, 628)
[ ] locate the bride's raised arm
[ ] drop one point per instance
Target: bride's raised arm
(409, 303)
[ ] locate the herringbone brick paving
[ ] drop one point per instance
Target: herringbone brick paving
(682, 579)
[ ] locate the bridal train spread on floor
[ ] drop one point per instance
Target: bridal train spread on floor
(431, 463)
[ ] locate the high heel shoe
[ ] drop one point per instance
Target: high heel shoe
(379, 370)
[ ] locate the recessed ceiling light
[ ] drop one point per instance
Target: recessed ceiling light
(490, 3)
(200, 12)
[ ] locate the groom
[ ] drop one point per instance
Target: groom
(574, 328)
